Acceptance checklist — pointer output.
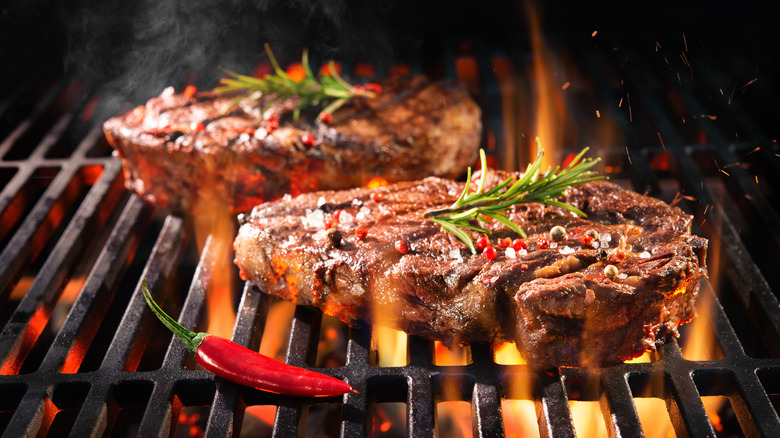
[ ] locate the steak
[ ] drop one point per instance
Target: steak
(181, 149)
(553, 298)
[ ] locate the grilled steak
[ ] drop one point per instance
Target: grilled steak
(181, 149)
(556, 302)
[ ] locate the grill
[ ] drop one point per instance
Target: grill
(686, 118)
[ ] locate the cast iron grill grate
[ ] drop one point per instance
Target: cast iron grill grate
(80, 353)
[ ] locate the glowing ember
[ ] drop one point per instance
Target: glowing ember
(376, 182)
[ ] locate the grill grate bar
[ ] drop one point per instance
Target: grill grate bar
(42, 106)
(47, 284)
(98, 410)
(228, 407)
(617, 404)
(81, 325)
(552, 408)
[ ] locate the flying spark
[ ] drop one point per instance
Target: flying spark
(565, 85)
(594, 33)
(598, 114)
(662, 140)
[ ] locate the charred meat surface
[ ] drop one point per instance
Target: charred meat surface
(188, 148)
(556, 298)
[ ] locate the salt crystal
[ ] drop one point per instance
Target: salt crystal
(522, 252)
(510, 252)
(363, 213)
(622, 276)
(287, 197)
(346, 218)
(321, 201)
(605, 237)
(566, 250)
(644, 255)
(243, 137)
(313, 219)
(553, 245)
(454, 253)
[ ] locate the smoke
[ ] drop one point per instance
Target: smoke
(132, 50)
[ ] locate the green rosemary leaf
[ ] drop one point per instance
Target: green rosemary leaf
(531, 186)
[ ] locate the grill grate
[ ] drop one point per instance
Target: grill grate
(67, 224)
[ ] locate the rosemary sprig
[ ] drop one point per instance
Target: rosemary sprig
(471, 208)
(331, 91)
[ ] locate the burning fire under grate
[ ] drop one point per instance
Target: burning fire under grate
(81, 354)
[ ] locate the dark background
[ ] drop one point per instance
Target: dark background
(131, 50)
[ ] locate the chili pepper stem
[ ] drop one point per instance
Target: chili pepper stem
(191, 339)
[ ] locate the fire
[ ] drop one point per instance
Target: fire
(376, 182)
(214, 220)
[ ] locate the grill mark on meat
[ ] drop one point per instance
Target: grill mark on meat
(558, 306)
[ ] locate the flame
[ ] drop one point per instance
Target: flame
(214, 219)
(376, 182)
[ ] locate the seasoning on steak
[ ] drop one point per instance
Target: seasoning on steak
(181, 149)
(553, 298)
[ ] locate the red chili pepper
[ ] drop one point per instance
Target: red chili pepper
(239, 364)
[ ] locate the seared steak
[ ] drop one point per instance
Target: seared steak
(181, 149)
(553, 298)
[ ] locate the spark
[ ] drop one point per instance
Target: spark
(748, 197)
(707, 208)
(594, 33)
(724, 172)
(756, 179)
(628, 99)
(685, 42)
(565, 85)
(620, 104)
(731, 96)
(749, 82)
(754, 150)
(628, 155)
(721, 91)
(657, 46)
(662, 140)
(598, 114)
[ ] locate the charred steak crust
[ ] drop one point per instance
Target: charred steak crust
(556, 303)
(182, 149)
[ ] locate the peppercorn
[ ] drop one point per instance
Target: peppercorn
(376, 196)
(504, 243)
(361, 232)
(334, 236)
(308, 140)
(519, 244)
(482, 242)
(489, 253)
(189, 91)
(402, 246)
(542, 243)
(616, 257)
(557, 233)
(601, 254)
(326, 117)
(197, 126)
(610, 271)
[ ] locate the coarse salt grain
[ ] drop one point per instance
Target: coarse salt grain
(605, 237)
(510, 252)
(321, 201)
(346, 218)
(553, 245)
(566, 250)
(313, 219)
(362, 213)
(287, 197)
(522, 252)
(622, 276)
(644, 255)
(454, 253)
